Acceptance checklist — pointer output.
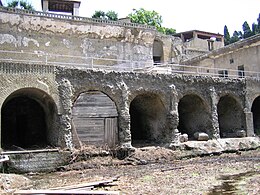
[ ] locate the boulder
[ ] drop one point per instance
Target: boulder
(201, 136)
(183, 138)
(241, 133)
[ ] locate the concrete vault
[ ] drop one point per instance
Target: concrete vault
(28, 119)
(230, 116)
(194, 115)
(148, 119)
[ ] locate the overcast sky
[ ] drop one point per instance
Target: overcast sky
(183, 15)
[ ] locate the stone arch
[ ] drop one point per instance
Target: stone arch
(158, 51)
(255, 109)
(194, 115)
(148, 119)
(95, 118)
(28, 120)
(230, 116)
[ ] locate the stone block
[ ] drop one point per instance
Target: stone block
(183, 138)
(201, 136)
(241, 133)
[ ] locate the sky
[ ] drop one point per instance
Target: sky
(182, 15)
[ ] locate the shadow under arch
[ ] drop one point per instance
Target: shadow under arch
(230, 116)
(194, 115)
(158, 51)
(95, 118)
(256, 115)
(148, 119)
(28, 120)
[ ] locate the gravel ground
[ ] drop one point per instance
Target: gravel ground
(156, 171)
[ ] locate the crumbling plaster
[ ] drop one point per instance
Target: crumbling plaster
(43, 35)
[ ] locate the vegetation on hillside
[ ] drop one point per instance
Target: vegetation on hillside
(141, 16)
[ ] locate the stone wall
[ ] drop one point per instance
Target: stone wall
(35, 161)
(37, 82)
(36, 36)
(123, 88)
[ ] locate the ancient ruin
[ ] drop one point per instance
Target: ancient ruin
(66, 80)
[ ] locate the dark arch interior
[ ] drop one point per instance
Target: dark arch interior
(157, 52)
(28, 120)
(23, 123)
(256, 115)
(148, 119)
(230, 116)
(193, 116)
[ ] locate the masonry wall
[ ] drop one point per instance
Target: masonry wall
(247, 57)
(35, 161)
(41, 35)
(123, 88)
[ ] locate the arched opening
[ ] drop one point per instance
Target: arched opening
(148, 119)
(194, 116)
(157, 52)
(230, 117)
(256, 115)
(95, 119)
(28, 120)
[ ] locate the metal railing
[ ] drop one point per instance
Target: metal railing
(73, 61)
(118, 65)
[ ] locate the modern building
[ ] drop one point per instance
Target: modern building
(239, 59)
(67, 6)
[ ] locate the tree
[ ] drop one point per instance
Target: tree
(169, 31)
(151, 18)
(143, 16)
(23, 4)
(99, 14)
(255, 29)
(237, 35)
(258, 24)
(247, 30)
(226, 36)
(110, 15)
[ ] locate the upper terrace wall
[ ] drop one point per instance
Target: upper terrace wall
(244, 54)
(74, 36)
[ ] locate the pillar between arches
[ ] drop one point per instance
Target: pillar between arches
(249, 123)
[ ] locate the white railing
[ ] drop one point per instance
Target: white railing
(76, 18)
(118, 65)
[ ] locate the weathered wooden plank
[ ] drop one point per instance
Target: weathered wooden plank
(30, 151)
(64, 192)
(111, 131)
(94, 104)
(90, 112)
(89, 184)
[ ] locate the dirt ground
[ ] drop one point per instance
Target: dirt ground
(153, 170)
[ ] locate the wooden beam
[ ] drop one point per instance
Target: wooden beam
(65, 192)
(30, 151)
(84, 185)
